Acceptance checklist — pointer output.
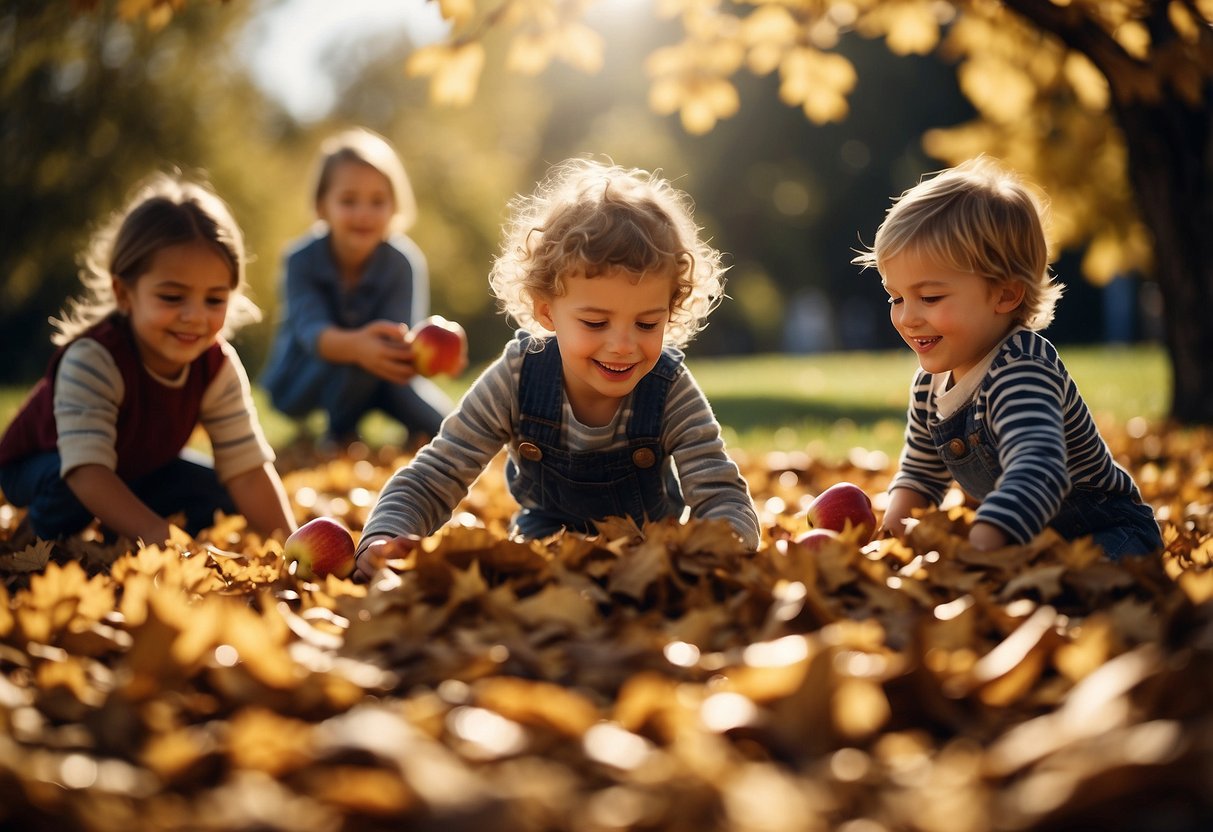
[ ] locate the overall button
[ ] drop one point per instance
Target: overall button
(957, 447)
(529, 450)
(644, 457)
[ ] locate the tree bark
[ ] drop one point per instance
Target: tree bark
(1170, 164)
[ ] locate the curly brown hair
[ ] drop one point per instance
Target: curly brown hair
(587, 218)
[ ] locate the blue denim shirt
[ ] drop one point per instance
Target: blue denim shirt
(574, 488)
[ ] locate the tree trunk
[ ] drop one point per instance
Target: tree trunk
(1170, 163)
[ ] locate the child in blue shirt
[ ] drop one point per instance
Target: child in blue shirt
(606, 274)
(964, 260)
(349, 293)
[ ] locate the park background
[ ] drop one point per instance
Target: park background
(243, 92)
(668, 682)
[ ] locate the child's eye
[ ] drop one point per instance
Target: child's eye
(894, 301)
(932, 298)
(219, 301)
(594, 324)
(167, 298)
(646, 325)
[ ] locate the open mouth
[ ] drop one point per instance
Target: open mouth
(925, 343)
(619, 370)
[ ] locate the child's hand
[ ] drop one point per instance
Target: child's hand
(384, 352)
(987, 536)
(379, 551)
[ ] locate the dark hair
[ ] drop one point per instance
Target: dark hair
(165, 210)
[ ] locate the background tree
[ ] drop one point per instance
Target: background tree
(89, 105)
(1105, 103)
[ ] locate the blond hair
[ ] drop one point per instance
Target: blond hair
(586, 218)
(164, 210)
(977, 217)
(365, 147)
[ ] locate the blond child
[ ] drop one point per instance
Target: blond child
(964, 260)
(605, 272)
(350, 291)
(142, 361)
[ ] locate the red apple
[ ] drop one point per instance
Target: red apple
(320, 547)
(814, 539)
(439, 346)
(841, 504)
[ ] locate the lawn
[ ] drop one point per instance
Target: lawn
(828, 403)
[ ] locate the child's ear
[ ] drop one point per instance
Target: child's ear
(121, 295)
(541, 309)
(1009, 295)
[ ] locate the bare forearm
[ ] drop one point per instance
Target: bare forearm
(261, 498)
(112, 502)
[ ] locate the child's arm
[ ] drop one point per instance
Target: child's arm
(243, 456)
(261, 498)
(102, 492)
(1025, 412)
(902, 501)
(378, 347)
(421, 496)
(307, 295)
(711, 482)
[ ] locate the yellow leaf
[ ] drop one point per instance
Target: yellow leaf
(454, 71)
(261, 740)
(859, 708)
(538, 703)
(1001, 92)
(1134, 37)
(1089, 85)
(581, 47)
(558, 605)
(458, 12)
(6, 614)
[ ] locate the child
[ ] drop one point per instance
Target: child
(964, 259)
(604, 270)
(142, 362)
(349, 294)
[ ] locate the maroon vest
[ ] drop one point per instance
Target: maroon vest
(154, 421)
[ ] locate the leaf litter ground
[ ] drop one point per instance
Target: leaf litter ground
(670, 682)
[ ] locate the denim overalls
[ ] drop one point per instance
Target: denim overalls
(1120, 523)
(569, 489)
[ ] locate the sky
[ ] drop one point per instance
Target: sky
(286, 41)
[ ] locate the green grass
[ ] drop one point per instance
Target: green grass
(827, 404)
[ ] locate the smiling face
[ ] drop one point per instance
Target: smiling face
(610, 329)
(178, 306)
(950, 318)
(358, 206)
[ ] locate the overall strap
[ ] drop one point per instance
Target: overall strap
(648, 399)
(540, 391)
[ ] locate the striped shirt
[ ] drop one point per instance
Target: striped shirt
(421, 496)
(1046, 440)
(89, 391)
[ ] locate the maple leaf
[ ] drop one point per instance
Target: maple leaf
(32, 558)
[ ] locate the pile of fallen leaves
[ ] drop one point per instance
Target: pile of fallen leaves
(673, 682)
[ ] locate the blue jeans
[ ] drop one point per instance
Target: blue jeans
(347, 393)
(55, 511)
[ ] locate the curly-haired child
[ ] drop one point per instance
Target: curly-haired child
(604, 270)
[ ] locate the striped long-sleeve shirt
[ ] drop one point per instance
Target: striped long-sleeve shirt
(421, 496)
(1047, 441)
